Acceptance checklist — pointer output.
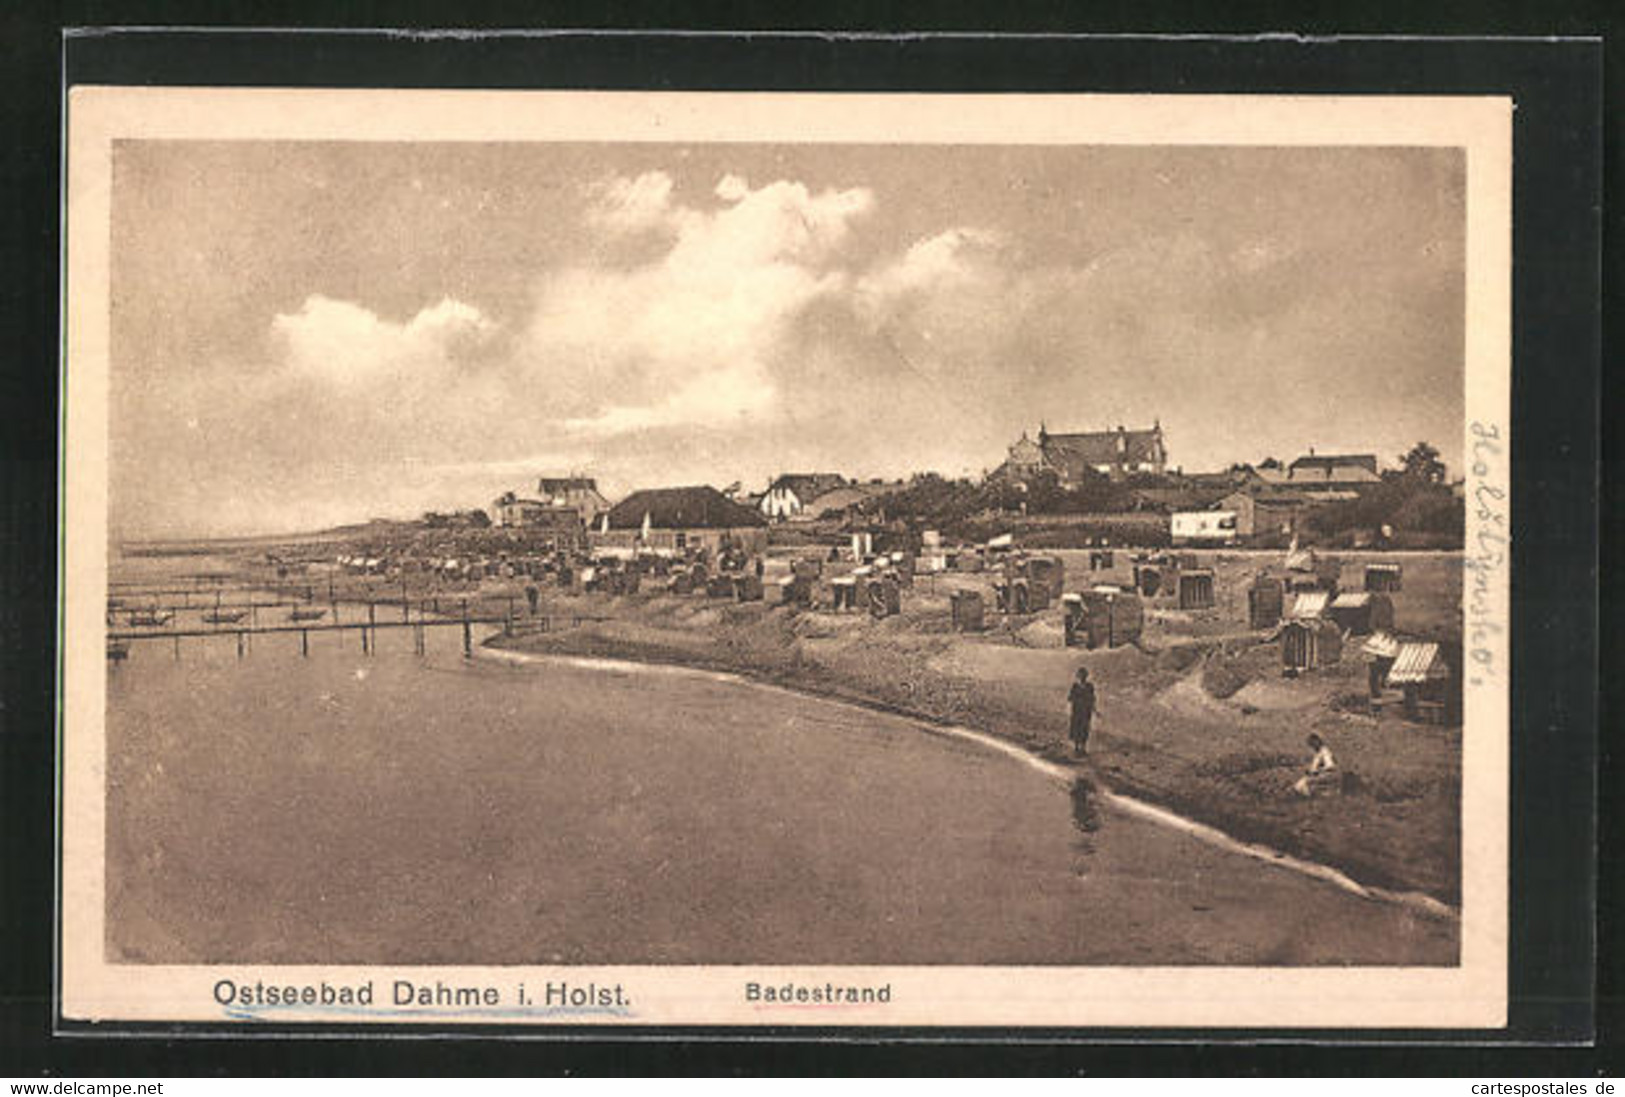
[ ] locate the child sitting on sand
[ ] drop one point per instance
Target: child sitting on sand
(1322, 770)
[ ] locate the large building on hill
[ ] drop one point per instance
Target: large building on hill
(578, 493)
(1072, 457)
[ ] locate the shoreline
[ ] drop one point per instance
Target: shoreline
(1065, 771)
(1136, 766)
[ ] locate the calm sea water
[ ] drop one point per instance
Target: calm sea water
(402, 808)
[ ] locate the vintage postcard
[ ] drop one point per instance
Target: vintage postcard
(630, 559)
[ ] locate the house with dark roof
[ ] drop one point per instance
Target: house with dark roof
(789, 495)
(679, 519)
(1073, 457)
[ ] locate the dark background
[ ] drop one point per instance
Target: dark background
(1558, 160)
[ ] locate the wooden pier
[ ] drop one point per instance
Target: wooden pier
(119, 639)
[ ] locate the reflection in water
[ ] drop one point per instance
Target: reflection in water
(1085, 818)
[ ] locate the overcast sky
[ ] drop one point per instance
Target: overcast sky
(313, 333)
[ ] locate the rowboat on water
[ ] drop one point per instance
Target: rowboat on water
(149, 618)
(225, 616)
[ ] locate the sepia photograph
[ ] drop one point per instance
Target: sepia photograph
(628, 558)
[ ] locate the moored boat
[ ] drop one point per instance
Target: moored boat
(225, 616)
(150, 618)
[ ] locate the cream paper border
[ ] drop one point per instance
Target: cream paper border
(1472, 995)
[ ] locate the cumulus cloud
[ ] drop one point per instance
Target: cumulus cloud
(631, 204)
(954, 258)
(347, 344)
(685, 338)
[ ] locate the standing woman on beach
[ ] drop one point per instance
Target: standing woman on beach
(1082, 697)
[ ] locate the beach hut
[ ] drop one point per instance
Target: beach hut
(884, 597)
(843, 593)
(1074, 620)
(1265, 602)
(1049, 573)
(1196, 589)
(795, 591)
(966, 607)
(1330, 573)
(1309, 605)
(1147, 579)
(1113, 617)
(1361, 612)
(747, 587)
(1381, 649)
(1421, 672)
(1308, 643)
(862, 576)
(1383, 577)
(1298, 583)
(902, 566)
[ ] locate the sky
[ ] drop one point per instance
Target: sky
(307, 334)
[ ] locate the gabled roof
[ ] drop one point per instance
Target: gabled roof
(698, 507)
